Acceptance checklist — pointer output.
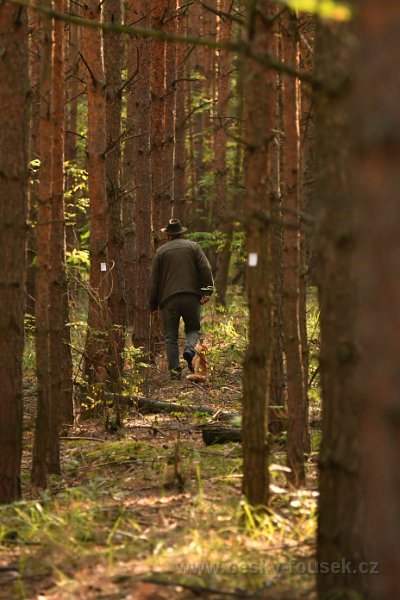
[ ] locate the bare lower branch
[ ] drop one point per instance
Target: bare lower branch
(242, 47)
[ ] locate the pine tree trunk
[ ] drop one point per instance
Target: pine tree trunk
(116, 298)
(133, 61)
(169, 115)
(34, 77)
(14, 127)
(73, 89)
(221, 123)
(276, 417)
(341, 504)
(143, 203)
(180, 126)
(98, 322)
(297, 407)
(376, 126)
(158, 49)
(57, 249)
(258, 84)
(44, 219)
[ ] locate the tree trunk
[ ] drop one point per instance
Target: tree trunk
(73, 90)
(180, 126)
(297, 407)
(34, 77)
(143, 203)
(116, 298)
(158, 49)
(277, 416)
(14, 127)
(95, 349)
(221, 123)
(57, 251)
(258, 84)
(44, 219)
(341, 503)
(376, 119)
(130, 156)
(169, 115)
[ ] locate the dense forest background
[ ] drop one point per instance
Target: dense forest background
(271, 130)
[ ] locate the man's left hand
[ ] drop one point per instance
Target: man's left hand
(204, 299)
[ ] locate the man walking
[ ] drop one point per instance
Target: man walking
(181, 281)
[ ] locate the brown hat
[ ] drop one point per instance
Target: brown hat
(174, 227)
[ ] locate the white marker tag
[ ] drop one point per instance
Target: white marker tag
(253, 259)
(103, 267)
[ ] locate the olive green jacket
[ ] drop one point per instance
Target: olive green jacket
(179, 266)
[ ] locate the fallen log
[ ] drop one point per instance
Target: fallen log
(218, 434)
(151, 405)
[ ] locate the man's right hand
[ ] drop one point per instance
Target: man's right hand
(204, 299)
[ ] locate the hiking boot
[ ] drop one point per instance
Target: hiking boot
(188, 355)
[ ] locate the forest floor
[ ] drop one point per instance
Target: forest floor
(151, 512)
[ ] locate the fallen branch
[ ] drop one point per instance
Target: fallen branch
(217, 434)
(150, 405)
(88, 439)
(197, 589)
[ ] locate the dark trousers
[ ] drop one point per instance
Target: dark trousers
(186, 306)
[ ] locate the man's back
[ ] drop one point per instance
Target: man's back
(180, 266)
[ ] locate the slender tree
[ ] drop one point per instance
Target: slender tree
(95, 349)
(58, 287)
(130, 156)
(258, 125)
(74, 89)
(43, 226)
(34, 78)
(158, 96)
(221, 122)
(116, 298)
(297, 408)
(142, 175)
(169, 116)
(180, 123)
(277, 421)
(14, 115)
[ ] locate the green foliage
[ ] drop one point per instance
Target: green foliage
(134, 361)
(216, 240)
(76, 196)
(79, 260)
(313, 344)
(34, 168)
(328, 9)
(227, 333)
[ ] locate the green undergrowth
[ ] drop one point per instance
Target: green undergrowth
(157, 512)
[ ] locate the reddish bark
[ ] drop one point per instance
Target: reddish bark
(142, 173)
(376, 126)
(296, 378)
(95, 349)
(34, 77)
(158, 49)
(180, 122)
(73, 90)
(341, 523)
(221, 122)
(170, 110)
(57, 348)
(258, 84)
(116, 298)
(14, 110)
(44, 219)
